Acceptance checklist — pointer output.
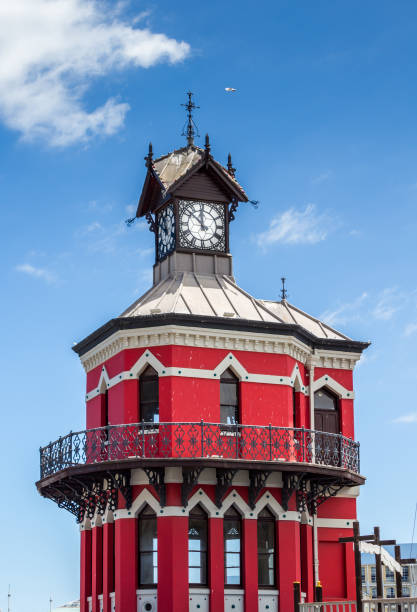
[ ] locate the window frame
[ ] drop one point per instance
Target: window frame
(147, 514)
(199, 514)
(143, 404)
(232, 380)
(236, 516)
(270, 518)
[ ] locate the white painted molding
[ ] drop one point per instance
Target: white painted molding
(335, 523)
(267, 500)
(234, 499)
(327, 381)
(144, 497)
(201, 497)
(212, 338)
(230, 360)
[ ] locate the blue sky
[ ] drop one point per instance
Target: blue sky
(322, 129)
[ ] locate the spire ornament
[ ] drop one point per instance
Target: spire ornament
(284, 292)
(230, 168)
(190, 128)
(207, 147)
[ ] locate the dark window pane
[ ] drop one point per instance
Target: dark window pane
(228, 375)
(323, 400)
(266, 570)
(148, 568)
(228, 414)
(150, 413)
(266, 549)
(148, 539)
(228, 393)
(266, 536)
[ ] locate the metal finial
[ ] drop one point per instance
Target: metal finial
(190, 129)
(284, 292)
(230, 168)
(207, 145)
(149, 156)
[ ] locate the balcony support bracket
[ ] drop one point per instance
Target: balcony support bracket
(224, 481)
(189, 480)
(156, 477)
(257, 480)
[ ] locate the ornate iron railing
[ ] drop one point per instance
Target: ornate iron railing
(199, 440)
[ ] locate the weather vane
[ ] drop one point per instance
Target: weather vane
(284, 292)
(190, 129)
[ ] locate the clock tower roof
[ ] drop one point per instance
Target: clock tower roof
(168, 174)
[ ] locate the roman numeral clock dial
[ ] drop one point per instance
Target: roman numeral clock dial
(166, 231)
(202, 225)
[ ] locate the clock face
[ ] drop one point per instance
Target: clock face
(202, 225)
(166, 231)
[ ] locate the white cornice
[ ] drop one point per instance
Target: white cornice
(214, 338)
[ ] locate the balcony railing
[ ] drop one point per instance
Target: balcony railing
(199, 441)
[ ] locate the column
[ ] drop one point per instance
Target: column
(108, 564)
(97, 565)
(289, 561)
(173, 589)
(216, 565)
(350, 571)
(250, 564)
(85, 569)
(307, 556)
(126, 564)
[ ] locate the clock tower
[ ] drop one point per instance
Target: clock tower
(218, 464)
(189, 200)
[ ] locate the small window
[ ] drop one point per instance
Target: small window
(229, 398)
(148, 547)
(389, 575)
(404, 575)
(197, 546)
(266, 549)
(363, 574)
(390, 593)
(406, 591)
(324, 400)
(232, 533)
(149, 396)
(373, 592)
(373, 573)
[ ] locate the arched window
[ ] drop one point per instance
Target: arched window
(326, 413)
(232, 535)
(148, 548)
(197, 546)
(266, 549)
(149, 396)
(229, 398)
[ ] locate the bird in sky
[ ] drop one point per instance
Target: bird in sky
(229, 89)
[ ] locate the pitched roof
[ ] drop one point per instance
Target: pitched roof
(215, 295)
(166, 173)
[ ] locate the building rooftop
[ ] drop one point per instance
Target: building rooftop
(217, 295)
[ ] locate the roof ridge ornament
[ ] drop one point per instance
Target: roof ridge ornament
(149, 158)
(190, 128)
(207, 147)
(284, 292)
(230, 168)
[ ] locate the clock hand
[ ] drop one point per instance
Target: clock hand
(203, 227)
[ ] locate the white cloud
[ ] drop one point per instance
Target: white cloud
(50, 53)
(36, 272)
(388, 303)
(296, 227)
(346, 312)
(410, 329)
(407, 418)
(321, 178)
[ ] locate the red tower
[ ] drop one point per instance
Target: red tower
(218, 464)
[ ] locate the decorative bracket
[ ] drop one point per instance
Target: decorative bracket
(290, 487)
(224, 481)
(157, 480)
(189, 480)
(257, 480)
(120, 481)
(232, 210)
(151, 222)
(320, 491)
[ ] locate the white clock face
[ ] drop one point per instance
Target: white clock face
(166, 231)
(202, 225)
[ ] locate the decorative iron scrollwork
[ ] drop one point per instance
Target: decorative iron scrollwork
(224, 481)
(151, 222)
(257, 480)
(157, 480)
(320, 491)
(189, 480)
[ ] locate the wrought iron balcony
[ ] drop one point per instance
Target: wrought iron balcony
(200, 441)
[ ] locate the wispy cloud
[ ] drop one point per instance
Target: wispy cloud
(321, 178)
(296, 227)
(407, 418)
(346, 312)
(35, 272)
(106, 238)
(410, 329)
(389, 301)
(52, 50)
